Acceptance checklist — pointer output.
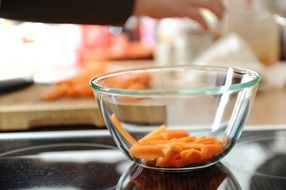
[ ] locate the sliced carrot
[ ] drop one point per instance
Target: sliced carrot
(171, 152)
(188, 157)
(204, 152)
(137, 78)
(178, 147)
(154, 135)
(148, 152)
(187, 139)
(115, 121)
(136, 86)
(158, 142)
(77, 86)
(206, 140)
(174, 133)
(186, 145)
(55, 93)
(213, 149)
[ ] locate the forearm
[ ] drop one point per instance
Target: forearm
(105, 12)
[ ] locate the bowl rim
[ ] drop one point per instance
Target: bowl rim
(197, 91)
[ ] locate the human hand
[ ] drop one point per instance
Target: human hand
(179, 8)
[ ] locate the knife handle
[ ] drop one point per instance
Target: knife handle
(10, 85)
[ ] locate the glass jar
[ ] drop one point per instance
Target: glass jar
(180, 41)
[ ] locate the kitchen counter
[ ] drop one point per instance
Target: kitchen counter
(24, 109)
(49, 160)
(269, 108)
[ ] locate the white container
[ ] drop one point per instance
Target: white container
(167, 31)
(191, 42)
(180, 41)
(257, 27)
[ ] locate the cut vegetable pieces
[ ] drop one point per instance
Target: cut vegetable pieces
(175, 148)
(170, 147)
(78, 85)
(170, 134)
(148, 152)
(187, 139)
(154, 135)
(206, 140)
(171, 153)
(117, 124)
(190, 156)
(213, 149)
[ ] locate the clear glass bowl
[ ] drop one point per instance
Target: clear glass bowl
(176, 118)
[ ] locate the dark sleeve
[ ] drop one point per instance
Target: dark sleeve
(103, 12)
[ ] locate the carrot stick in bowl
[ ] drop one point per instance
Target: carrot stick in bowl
(170, 148)
(179, 148)
(146, 152)
(154, 135)
(116, 123)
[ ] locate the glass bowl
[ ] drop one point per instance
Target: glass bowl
(176, 118)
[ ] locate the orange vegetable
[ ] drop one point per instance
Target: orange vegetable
(55, 93)
(154, 135)
(186, 145)
(158, 142)
(147, 152)
(187, 139)
(206, 140)
(115, 121)
(170, 134)
(78, 86)
(171, 153)
(170, 148)
(213, 149)
(178, 147)
(189, 156)
(136, 86)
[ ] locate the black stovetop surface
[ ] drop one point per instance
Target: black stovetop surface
(88, 159)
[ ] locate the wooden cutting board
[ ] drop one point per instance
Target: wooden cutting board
(24, 109)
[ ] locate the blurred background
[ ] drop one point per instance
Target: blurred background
(251, 35)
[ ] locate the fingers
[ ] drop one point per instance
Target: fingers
(215, 6)
(179, 8)
(193, 10)
(196, 15)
